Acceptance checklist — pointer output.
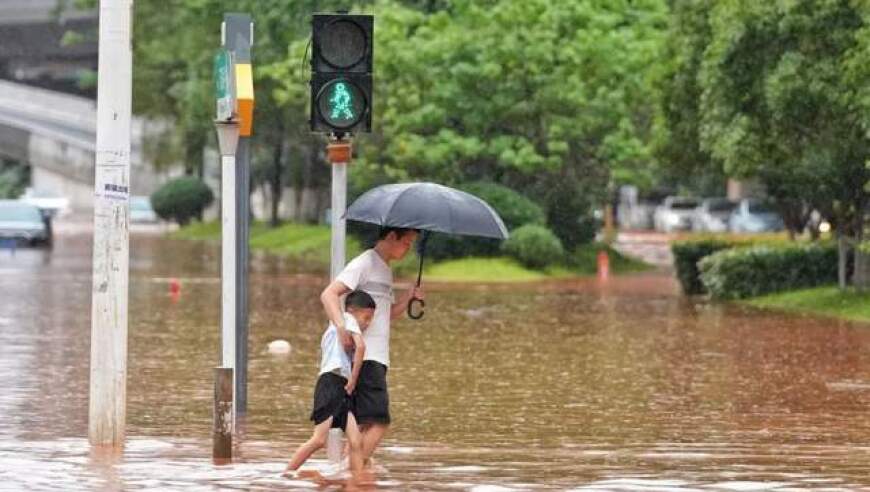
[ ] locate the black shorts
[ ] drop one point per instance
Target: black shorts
(371, 401)
(331, 400)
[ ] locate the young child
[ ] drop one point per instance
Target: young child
(338, 377)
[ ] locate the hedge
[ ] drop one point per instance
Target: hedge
(534, 246)
(182, 199)
(687, 254)
(752, 271)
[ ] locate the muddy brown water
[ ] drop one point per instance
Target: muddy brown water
(562, 385)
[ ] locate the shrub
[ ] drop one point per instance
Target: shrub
(181, 199)
(752, 271)
(514, 209)
(687, 254)
(534, 246)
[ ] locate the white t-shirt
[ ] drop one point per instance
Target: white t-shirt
(370, 273)
(334, 358)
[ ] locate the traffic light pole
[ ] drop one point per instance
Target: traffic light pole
(339, 153)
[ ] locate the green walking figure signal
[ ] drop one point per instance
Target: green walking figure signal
(341, 73)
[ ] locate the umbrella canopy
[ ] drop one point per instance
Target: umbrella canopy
(430, 207)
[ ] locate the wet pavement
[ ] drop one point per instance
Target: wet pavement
(568, 385)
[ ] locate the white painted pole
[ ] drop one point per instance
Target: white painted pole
(108, 377)
(228, 140)
(339, 204)
(334, 442)
(228, 259)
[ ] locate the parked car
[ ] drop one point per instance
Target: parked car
(50, 203)
(675, 213)
(712, 215)
(753, 215)
(141, 210)
(23, 223)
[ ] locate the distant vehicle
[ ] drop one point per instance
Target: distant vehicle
(675, 213)
(141, 210)
(50, 203)
(712, 215)
(752, 215)
(23, 223)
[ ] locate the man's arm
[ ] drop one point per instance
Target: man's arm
(401, 307)
(358, 355)
(331, 299)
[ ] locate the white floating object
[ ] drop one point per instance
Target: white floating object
(279, 347)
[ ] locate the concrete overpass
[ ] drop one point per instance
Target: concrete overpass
(55, 133)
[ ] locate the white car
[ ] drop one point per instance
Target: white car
(675, 214)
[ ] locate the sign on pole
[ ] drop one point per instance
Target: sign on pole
(224, 81)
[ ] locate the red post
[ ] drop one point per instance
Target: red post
(603, 265)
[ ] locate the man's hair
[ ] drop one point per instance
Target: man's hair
(400, 231)
(360, 300)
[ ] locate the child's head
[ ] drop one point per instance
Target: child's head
(361, 306)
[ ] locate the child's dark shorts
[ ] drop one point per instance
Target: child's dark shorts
(371, 400)
(331, 400)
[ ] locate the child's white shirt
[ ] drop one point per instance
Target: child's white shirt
(334, 358)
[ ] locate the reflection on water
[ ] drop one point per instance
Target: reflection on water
(562, 385)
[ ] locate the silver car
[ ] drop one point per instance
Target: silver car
(753, 215)
(712, 215)
(22, 223)
(675, 213)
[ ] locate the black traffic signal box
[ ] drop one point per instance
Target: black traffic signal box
(341, 73)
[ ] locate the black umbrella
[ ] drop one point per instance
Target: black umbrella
(429, 207)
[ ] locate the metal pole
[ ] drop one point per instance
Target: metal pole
(238, 34)
(339, 204)
(228, 260)
(108, 378)
(243, 215)
(222, 424)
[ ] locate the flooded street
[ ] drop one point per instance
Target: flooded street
(559, 385)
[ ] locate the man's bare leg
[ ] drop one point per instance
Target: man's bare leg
(371, 437)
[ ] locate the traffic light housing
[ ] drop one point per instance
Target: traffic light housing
(341, 73)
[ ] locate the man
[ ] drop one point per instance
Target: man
(371, 273)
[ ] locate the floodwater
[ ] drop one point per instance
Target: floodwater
(565, 385)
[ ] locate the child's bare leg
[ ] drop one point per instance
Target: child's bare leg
(317, 441)
(354, 442)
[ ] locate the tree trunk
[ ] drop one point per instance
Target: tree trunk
(842, 256)
(276, 183)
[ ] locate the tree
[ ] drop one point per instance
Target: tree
(780, 101)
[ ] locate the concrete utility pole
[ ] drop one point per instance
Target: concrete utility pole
(108, 388)
(238, 33)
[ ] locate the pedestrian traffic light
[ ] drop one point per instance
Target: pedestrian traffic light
(341, 73)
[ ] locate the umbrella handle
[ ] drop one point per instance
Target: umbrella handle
(411, 313)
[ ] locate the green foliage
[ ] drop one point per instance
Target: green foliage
(182, 199)
(534, 246)
(747, 272)
(687, 254)
(829, 301)
(781, 83)
(13, 179)
(514, 209)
